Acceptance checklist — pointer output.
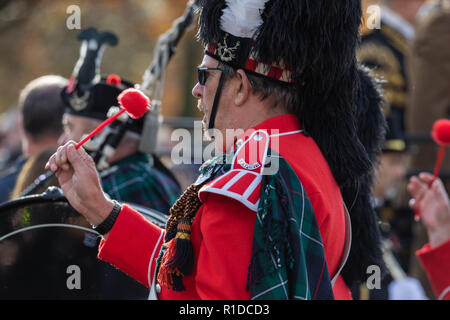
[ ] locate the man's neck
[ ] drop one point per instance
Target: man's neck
(260, 111)
(251, 119)
(32, 148)
(125, 149)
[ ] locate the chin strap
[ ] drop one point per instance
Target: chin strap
(212, 117)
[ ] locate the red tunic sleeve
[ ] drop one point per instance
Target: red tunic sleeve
(226, 227)
(133, 245)
(436, 262)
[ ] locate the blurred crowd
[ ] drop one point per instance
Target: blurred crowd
(409, 53)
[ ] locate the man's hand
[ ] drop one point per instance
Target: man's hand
(79, 180)
(433, 205)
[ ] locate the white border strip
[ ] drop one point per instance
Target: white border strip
(234, 162)
(152, 256)
(153, 295)
(233, 180)
(444, 293)
(285, 133)
(240, 198)
(251, 188)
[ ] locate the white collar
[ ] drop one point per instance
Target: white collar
(395, 21)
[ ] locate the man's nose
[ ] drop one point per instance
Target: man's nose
(197, 91)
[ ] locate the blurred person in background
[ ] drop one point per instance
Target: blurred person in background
(41, 109)
(10, 138)
(387, 51)
(32, 169)
(430, 79)
(431, 201)
(127, 174)
(430, 100)
(390, 172)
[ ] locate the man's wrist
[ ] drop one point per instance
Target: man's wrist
(439, 236)
(103, 211)
(106, 224)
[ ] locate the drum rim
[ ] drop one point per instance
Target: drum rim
(55, 194)
(31, 199)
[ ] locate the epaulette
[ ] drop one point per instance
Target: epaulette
(243, 181)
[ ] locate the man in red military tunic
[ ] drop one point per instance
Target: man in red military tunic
(267, 219)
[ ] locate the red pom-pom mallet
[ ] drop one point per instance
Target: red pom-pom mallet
(441, 135)
(133, 101)
(113, 80)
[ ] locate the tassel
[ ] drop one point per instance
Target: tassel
(183, 259)
(164, 276)
(178, 259)
(177, 282)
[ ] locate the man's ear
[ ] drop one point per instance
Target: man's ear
(243, 88)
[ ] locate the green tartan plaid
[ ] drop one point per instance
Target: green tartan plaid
(134, 180)
(288, 257)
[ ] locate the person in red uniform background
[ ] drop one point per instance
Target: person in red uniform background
(434, 206)
(268, 219)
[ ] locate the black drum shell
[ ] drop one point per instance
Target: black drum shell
(49, 251)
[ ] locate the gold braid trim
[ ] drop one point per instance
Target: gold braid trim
(185, 207)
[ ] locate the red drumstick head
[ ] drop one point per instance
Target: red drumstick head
(441, 132)
(113, 80)
(134, 102)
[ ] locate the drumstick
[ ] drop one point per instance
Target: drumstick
(441, 135)
(438, 164)
(133, 101)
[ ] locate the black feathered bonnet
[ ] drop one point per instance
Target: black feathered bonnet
(88, 94)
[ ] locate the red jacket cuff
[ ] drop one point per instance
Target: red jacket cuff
(133, 245)
(436, 262)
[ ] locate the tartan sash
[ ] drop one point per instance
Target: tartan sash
(288, 257)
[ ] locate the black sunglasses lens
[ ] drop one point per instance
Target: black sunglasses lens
(202, 76)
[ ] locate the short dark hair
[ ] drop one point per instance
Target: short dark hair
(42, 107)
(284, 94)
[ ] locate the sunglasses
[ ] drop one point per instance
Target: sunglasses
(203, 75)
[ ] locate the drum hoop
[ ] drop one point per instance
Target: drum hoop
(48, 225)
(32, 199)
(55, 195)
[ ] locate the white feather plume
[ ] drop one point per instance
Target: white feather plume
(242, 18)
